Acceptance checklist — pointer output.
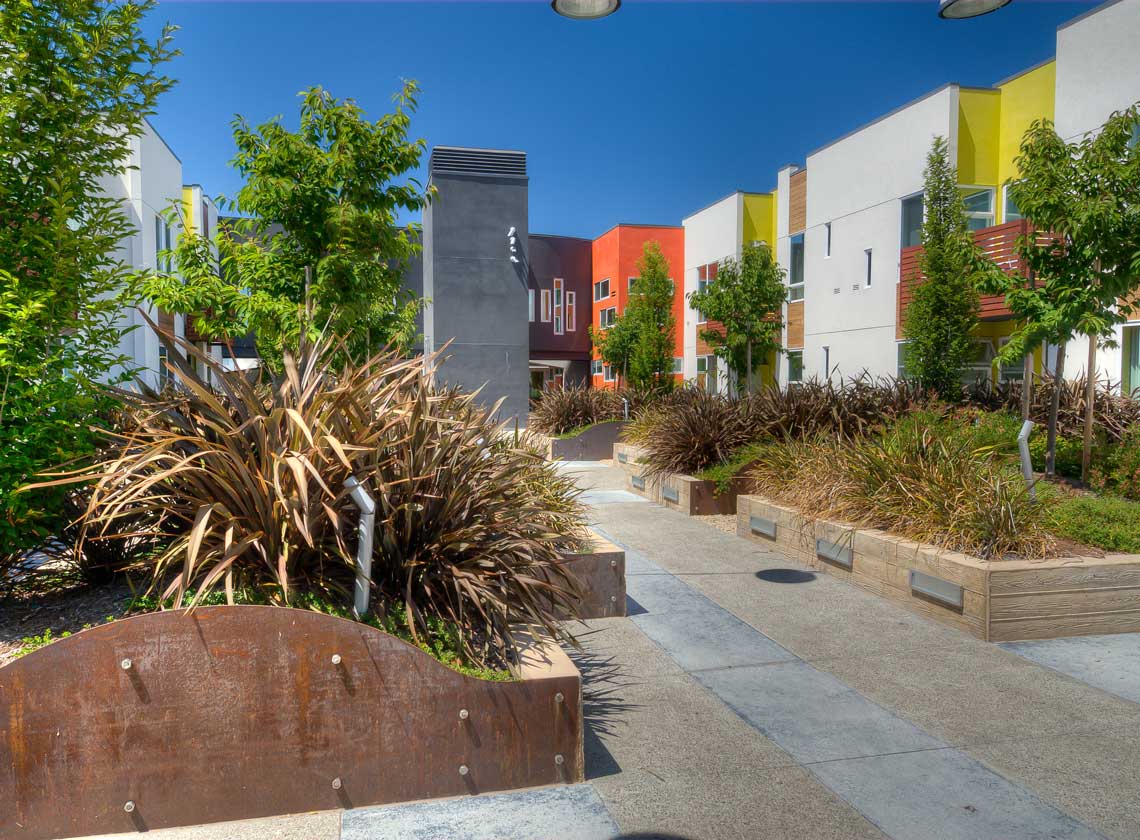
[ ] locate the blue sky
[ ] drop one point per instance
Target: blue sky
(644, 116)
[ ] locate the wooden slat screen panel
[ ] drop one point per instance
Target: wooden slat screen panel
(796, 325)
(1000, 245)
(797, 202)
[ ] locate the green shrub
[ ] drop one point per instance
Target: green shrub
(1068, 458)
(1117, 469)
(727, 473)
(1106, 522)
(246, 488)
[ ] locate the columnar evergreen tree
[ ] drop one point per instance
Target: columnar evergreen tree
(747, 298)
(943, 312)
(650, 309)
(79, 78)
(1083, 199)
(319, 247)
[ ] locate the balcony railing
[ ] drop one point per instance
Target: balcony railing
(999, 244)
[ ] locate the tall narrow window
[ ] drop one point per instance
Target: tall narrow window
(912, 221)
(558, 322)
(530, 305)
(571, 312)
(795, 365)
(205, 220)
(867, 277)
(796, 275)
(545, 299)
(827, 241)
(1010, 208)
(702, 284)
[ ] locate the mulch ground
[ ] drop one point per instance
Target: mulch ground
(61, 612)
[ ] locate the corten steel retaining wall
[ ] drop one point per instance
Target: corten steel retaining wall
(995, 600)
(228, 713)
(595, 443)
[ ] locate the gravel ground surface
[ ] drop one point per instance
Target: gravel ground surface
(724, 522)
(64, 612)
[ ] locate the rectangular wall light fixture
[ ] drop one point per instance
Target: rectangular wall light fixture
(763, 527)
(669, 494)
(835, 553)
(936, 589)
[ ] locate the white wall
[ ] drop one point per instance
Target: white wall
(857, 184)
(1098, 67)
(711, 235)
(1098, 72)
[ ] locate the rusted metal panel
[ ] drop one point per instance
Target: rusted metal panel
(600, 573)
(593, 444)
(235, 712)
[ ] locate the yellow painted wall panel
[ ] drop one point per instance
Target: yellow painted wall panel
(979, 120)
(1031, 96)
(760, 218)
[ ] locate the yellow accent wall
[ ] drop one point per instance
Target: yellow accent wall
(979, 120)
(188, 209)
(1031, 96)
(760, 218)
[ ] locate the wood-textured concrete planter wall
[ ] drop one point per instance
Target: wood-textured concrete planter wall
(600, 570)
(594, 443)
(692, 496)
(996, 600)
(228, 713)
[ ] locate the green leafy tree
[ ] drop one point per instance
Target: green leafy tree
(615, 345)
(943, 312)
(79, 79)
(1086, 195)
(318, 245)
(650, 311)
(747, 299)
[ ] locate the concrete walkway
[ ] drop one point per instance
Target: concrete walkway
(746, 697)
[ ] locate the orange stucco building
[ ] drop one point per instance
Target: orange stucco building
(616, 254)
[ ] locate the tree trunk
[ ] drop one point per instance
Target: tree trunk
(1027, 387)
(1090, 399)
(1054, 408)
(748, 379)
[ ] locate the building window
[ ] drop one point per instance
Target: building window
(558, 306)
(867, 276)
(705, 275)
(629, 287)
(796, 275)
(530, 304)
(900, 359)
(1134, 140)
(912, 221)
(571, 312)
(1013, 371)
(596, 367)
(1011, 211)
(827, 242)
(602, 289)
(706, 373)
(205, 220)
(678, 364)
(544, 316)
(795, 366)
(162, 245)
(163, 370)
(607, 317)
(607, 373)
(979, 205)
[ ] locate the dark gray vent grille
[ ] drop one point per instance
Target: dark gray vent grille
(453, 161)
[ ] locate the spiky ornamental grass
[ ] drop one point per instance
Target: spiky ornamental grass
(696, 430)
(245, 489)
(561, 410)
(925, 478)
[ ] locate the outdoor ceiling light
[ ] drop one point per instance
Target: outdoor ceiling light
(585, 9)
(959, 9)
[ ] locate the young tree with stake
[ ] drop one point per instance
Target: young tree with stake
(747, 299)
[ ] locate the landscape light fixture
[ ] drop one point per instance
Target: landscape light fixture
(585, 9)
(961, 9)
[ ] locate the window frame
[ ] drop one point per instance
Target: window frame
(903, 202)
(1006, 200)
(868, 276)
(977, 215)
(545, 308)
(598, 286)
(608, 374)
(530, 305)
(602, 320)
(799, 355)
(571, 316)
(796, 287)
(558, 304)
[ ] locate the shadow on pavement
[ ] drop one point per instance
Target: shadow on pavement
(785, 575)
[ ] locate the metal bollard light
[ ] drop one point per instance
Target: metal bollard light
(364, 532)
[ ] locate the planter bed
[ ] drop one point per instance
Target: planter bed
(995, 600)
(692, 496)
(234, 712)
(600, 569)
(593, 443)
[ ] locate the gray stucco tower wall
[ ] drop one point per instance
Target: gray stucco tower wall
(476, 297)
